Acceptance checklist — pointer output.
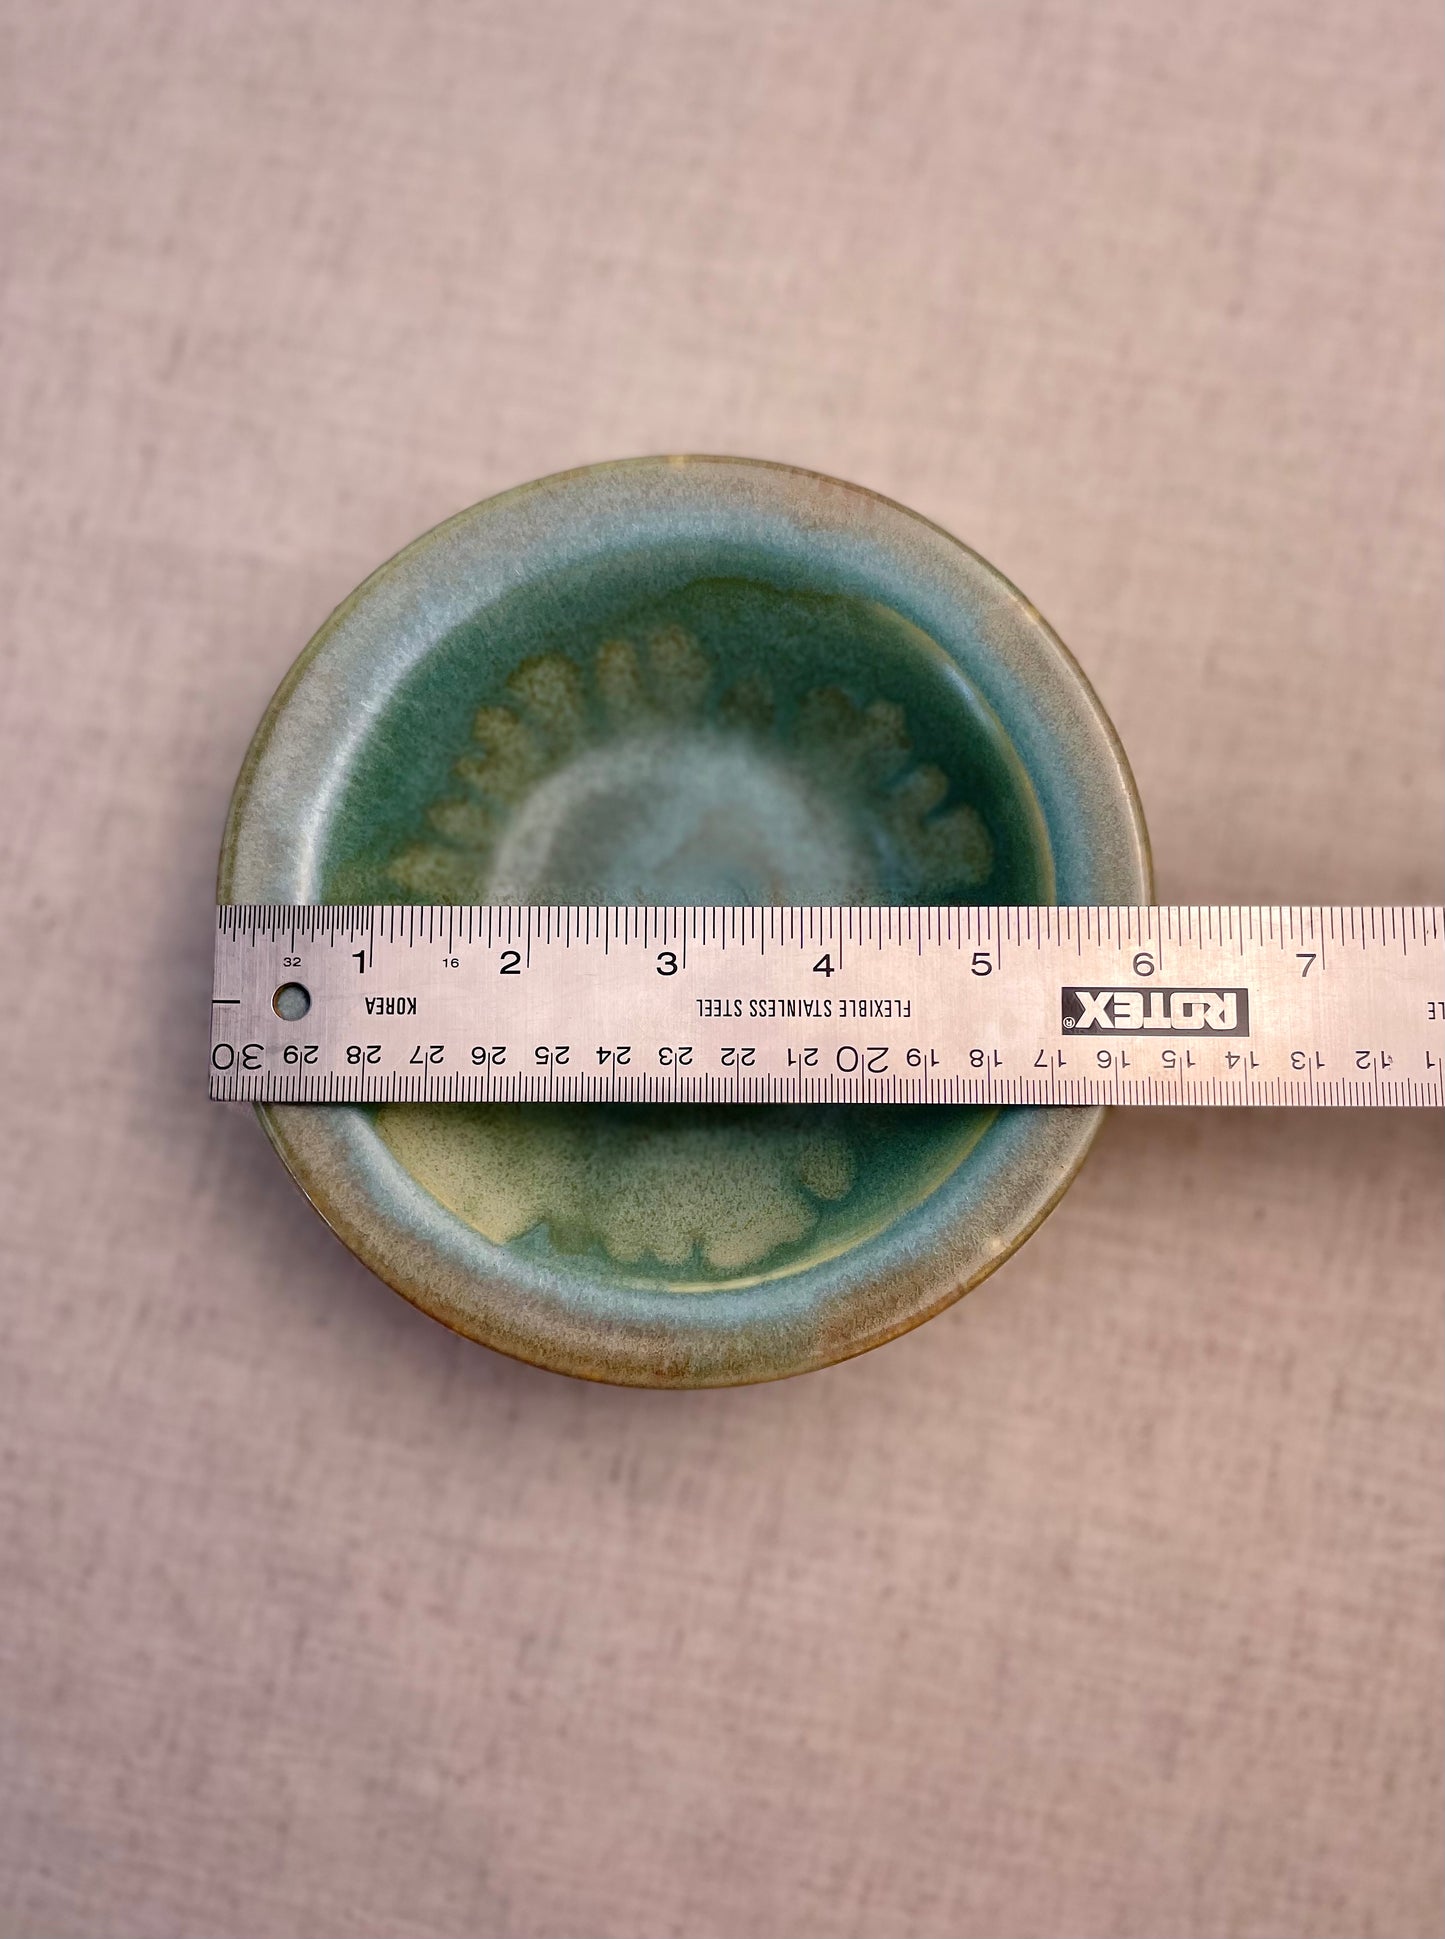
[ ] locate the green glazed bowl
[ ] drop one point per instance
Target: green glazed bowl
(684, 680)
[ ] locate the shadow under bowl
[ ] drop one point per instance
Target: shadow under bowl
(685, 681)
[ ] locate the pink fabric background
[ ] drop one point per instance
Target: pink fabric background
(1107, 1604)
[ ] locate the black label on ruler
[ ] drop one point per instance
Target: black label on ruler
(1096, 1012)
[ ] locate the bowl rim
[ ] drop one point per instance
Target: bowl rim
(554, 1316)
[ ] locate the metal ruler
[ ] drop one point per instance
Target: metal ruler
(1142, 1006)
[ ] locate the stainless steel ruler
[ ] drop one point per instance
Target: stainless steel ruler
(1140, 1006)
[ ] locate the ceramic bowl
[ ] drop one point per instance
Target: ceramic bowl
(684, 680)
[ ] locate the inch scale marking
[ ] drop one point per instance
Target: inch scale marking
(1226, 1005)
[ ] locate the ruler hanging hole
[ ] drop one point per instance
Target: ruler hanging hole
(291, 1002)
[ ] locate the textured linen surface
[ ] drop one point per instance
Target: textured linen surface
(1108, 1603)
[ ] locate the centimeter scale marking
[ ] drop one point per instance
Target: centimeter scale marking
(1158, 1005)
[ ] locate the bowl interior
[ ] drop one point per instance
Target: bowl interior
(658, 725)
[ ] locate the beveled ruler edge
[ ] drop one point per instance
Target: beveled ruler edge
(1164, 1004)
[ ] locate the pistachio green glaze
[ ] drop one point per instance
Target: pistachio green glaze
(684, 681)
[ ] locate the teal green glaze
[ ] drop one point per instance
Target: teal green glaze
(688, 1198)
(757, 643)
(874, 773)
(684, 681)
